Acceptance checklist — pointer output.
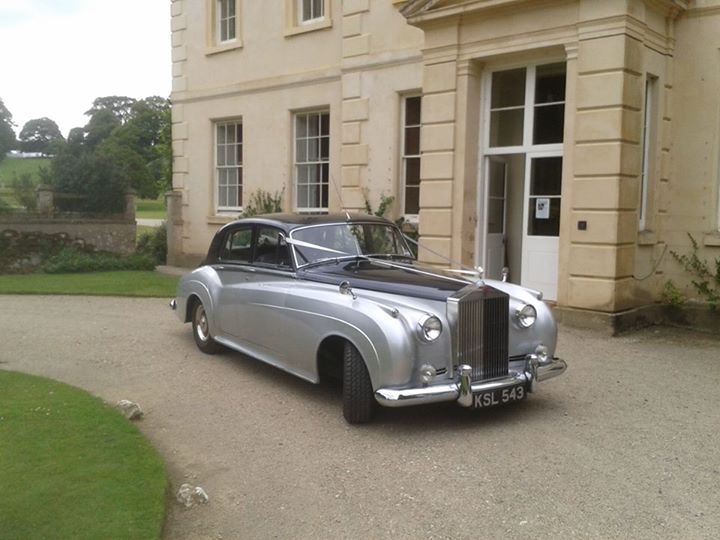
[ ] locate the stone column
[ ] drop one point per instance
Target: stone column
(606, 161)
(130, 196)
(174, 227)
(45, 200)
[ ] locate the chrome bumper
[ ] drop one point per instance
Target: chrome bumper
(462, 389)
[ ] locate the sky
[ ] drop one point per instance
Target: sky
(57, 56)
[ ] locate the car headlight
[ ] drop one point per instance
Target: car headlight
(430, 328)
(526, 316)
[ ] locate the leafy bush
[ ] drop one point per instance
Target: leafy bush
(153, 244)
(672, 296)
(24, 191)
(71, 260)
(263, 202)
(707, 283)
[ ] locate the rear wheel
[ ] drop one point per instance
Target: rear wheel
(358, 399)
(201, 331)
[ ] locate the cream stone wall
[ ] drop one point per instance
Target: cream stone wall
(357, 64)
(366, 54)
(691, 198)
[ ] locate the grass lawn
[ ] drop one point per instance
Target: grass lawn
(150, 209)
(130, 283)
(72, 467)
(11, 166)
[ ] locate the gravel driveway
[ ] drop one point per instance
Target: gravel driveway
(625, 444)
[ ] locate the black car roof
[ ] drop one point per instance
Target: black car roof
(287, 222)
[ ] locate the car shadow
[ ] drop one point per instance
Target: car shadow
(328, 395)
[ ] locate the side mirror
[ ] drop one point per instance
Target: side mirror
(345, 288)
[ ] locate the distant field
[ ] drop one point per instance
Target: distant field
(150, 209)
(9, 167)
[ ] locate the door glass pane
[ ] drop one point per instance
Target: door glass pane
(508, 88)
(546, 176)
(549, 124)
(544, 216)
(550, 83)
(497, 179)
(506, 127)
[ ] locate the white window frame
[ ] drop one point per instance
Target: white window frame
(238, 166)
(403, 156)
(226, 23)
(648, 139)
(314, 17)
(318, 163)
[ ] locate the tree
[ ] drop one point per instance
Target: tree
(7, 133)
(39, 135)
(119, 106)
(100, 127)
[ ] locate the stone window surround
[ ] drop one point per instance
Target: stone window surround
(293, 26)
(221, 210)
(214, 45)
(413, 218)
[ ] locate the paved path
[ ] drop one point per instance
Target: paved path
(624, 445)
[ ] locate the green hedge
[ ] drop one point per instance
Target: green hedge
(70, 261)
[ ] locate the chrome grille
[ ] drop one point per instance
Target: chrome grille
(482, 332)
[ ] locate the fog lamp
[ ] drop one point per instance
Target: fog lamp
(542, 352)
(427, 373)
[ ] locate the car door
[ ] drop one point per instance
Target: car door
(235, 272)
(264, 310)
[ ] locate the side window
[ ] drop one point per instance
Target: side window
(238, 246)
(269, 250)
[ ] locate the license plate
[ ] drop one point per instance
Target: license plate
(500, 396)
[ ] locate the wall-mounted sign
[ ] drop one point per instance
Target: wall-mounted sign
(542, 208)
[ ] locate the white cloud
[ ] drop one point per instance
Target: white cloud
(55, 64)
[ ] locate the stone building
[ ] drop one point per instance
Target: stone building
(576, 142)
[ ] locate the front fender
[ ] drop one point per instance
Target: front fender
(382, 339)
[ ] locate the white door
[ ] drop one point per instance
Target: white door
(495, 211)
(541, 230)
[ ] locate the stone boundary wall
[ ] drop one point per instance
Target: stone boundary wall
(113, 235)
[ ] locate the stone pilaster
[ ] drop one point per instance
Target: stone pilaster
(439, 188)
(355, 151)
(179, 195)
(606, 164)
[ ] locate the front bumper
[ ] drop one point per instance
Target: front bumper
(462, 389)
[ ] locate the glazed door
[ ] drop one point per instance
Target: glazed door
(495, 210)
(543, 183)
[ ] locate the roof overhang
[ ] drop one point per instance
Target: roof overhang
(417, 11)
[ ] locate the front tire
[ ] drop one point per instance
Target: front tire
(201, 331)
(358, 398)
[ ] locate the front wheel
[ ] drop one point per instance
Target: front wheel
(201, 331)
(358, 398)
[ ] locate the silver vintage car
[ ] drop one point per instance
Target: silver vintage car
(342, 296)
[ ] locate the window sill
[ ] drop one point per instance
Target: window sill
(712, 239)
(224, 47)
(310, 27)
(646, 238)
(222, 219)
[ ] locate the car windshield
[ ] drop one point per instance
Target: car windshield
(348, 240)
